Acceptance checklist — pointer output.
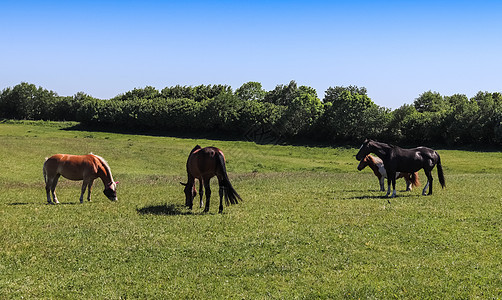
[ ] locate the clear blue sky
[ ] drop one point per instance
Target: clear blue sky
(396, 49)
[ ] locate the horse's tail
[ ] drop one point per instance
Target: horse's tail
(414, 179)
(440, 173)
(229, 192)
(45, 171)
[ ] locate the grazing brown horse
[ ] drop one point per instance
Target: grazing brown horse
(203, 164)
(78, 167)
(397, 159)
(376, 164)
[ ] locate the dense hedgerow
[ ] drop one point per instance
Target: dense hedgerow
(346, 114)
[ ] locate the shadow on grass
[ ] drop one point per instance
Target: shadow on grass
(379, 197)
(164, 210)
(45, 203)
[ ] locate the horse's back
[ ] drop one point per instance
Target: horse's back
(73, 167)
(203, 162)
(414, 159)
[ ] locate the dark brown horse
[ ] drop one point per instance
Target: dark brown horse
(78, 167)
(203, 164)
(396, 159)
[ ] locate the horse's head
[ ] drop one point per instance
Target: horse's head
(190, 193)
(111, 190)
(364, 150)
(363, 163)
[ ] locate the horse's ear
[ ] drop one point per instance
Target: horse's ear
(183, 184)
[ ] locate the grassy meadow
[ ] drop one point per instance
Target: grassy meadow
(310, 225)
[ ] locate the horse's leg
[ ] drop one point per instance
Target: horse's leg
(53, 188)
(208, 194)
(407, 178)
(429, 181)
(222, 193)
(388, 186)
(89, 188)
(393, 187)
(84, 186)
(391, 177)
(201, 193)
(48, 184)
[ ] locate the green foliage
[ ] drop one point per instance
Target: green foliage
(349, 115)
(197, 93)
(337, 93)
(430, 102)
(346, 114)
(148, 92)
(283, 94)
(301, 114)
(251, 91)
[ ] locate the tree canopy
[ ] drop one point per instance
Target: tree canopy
(289, 112)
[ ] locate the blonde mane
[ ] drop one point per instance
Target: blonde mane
(105, 163)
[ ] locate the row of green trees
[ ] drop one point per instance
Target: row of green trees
(289, 112)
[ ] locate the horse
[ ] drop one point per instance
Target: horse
(78, 167)
(396, 159)
(203, 164)
(376, 164)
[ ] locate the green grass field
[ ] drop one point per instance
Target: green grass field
(310, 225)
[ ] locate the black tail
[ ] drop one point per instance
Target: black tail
(440, 173)
(230, 193)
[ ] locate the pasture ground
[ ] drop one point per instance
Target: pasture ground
(310, 225)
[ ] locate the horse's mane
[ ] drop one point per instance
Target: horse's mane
(384, 144)
(105, 164)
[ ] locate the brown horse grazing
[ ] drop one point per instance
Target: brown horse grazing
(203, 164)
(376, 164)
(78, 167)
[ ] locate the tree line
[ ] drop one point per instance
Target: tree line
(289, 112)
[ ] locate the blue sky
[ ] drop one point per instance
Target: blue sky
(396, 49)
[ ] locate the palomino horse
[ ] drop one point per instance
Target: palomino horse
(78, 167)
(376, 164)
(396, 159)
(203, 164)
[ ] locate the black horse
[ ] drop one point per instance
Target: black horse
(396, 159)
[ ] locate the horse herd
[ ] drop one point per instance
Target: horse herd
(392, 162)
